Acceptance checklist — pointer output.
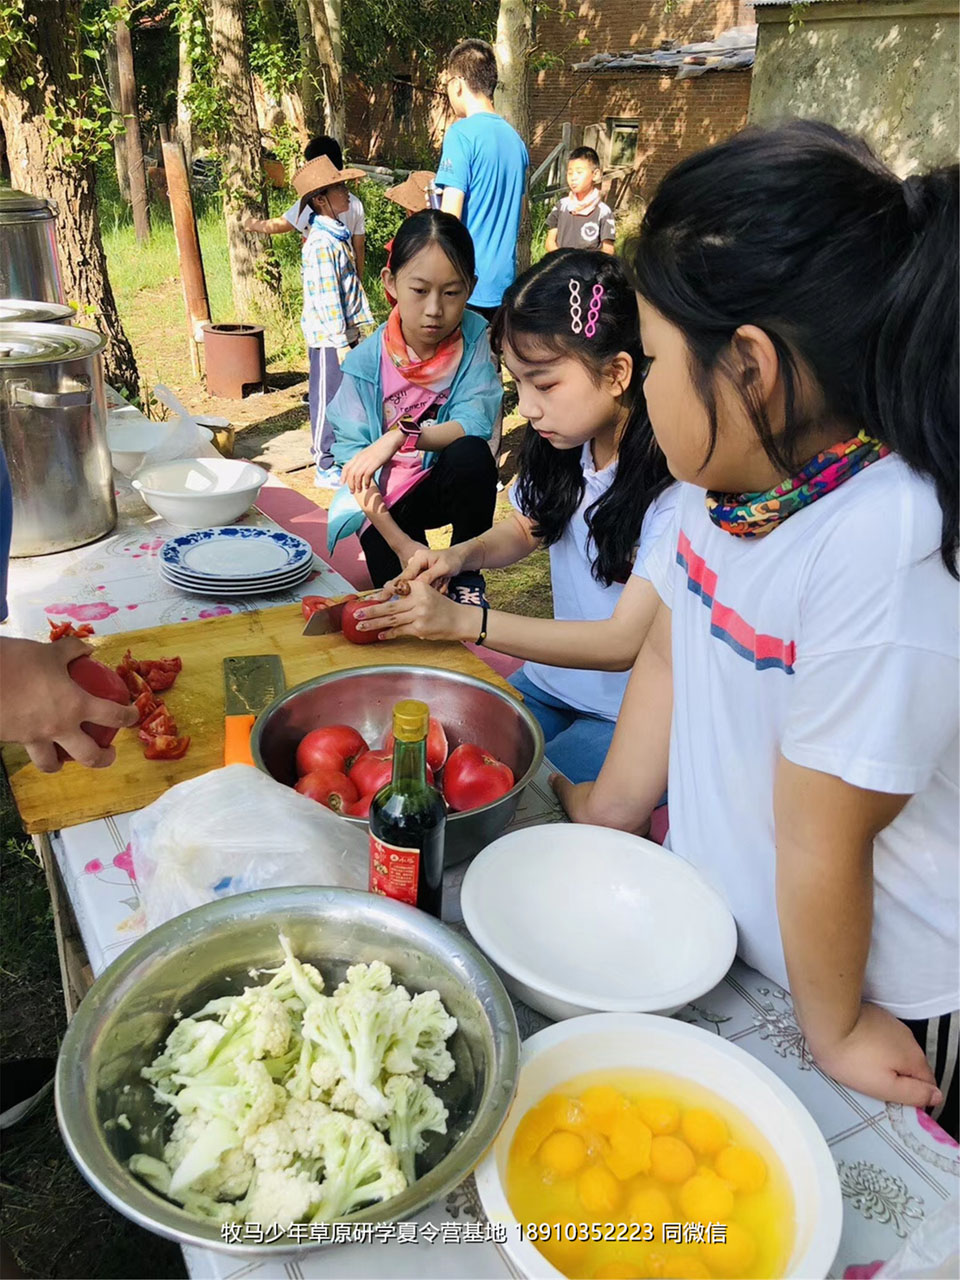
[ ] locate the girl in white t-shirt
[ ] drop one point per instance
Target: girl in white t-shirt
(799, 315)
(592, 486)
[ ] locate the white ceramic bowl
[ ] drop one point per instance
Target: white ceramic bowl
(130, 441)
(583, 919)
(609, 1041)
(197, 492)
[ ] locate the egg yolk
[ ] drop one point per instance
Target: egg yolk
(735, 1256)
(629, 1150)
(671, 1160)
(602, 1106)
(706, 1198)
(552, 1112)
(563, 1154)
(705, 1132)
(598, 1189)
(685, 1269)
(652, 1205)
(616, 1271)
(660, 1114)
(745, 1169)
(563, 1253)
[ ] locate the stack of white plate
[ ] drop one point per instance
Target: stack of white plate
(236, 561)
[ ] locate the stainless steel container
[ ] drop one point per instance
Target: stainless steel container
(29, 262)
(53, 422)
(210, 951)
(470, 710)
(30, 311)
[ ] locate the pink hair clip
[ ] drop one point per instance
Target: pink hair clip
(593, 313)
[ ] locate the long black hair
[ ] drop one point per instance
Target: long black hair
(536, 313)
(431, 226)
(803, 232)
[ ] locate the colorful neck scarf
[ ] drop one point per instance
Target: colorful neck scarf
(435, 373)
(752, 515)
(581, 206)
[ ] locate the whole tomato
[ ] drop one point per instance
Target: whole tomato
(473, 777)
(334, 746)
(102, 682)
(360, 808)
(349, 624)
(329, 787)
(437, 747)
(373, 770)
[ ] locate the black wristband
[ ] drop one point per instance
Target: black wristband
(483, 626)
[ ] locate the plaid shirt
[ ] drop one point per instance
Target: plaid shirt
(333, 297)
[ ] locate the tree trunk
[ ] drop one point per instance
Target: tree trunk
(333, 105)
(513, 44)
(310, 78)
(131, 125)
(37, 165)
(252, 267)
(119, 141)
(184, 120)
(336, 107)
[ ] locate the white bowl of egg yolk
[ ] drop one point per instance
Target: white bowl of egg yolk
(639, 1146)
(584, 919)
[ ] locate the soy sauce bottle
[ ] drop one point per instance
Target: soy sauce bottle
(408, 818)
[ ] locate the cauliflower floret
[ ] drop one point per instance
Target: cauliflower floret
(419, 1046)
(375, 976)
(259, 1013)
(280, 1196)
(250, 1102)
(359, 1167)
(291, 1138)
(416, 1109)
(189, 1048)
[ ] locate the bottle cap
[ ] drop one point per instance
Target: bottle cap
(411, 719)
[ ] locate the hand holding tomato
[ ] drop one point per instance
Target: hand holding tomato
(423, 613)
(41, 706)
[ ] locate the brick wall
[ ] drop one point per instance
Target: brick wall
(677, 117)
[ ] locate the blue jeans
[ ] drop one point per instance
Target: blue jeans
(577, 742)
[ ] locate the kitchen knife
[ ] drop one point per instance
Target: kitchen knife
(328, 616)
(250, 684)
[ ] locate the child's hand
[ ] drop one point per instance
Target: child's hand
(433, 567)
(423, 613)
(573, 796)
(881, 1058)
(250, 223)
(361, 469)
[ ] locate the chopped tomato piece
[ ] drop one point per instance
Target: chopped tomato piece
(159, 724)
(146, 704)
(134, 682)
(311, 604)
(158, 678)
(60, 629)
(166, 747)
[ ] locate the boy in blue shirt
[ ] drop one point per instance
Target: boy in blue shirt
(483, 171)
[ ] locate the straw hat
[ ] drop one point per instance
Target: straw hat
(318, 174)
(412, 194)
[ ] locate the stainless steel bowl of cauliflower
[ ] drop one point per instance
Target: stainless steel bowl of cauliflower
(276, 1061)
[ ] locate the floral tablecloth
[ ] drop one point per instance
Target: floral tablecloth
(896, 1167)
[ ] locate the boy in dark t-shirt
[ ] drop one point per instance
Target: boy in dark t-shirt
(581, 220)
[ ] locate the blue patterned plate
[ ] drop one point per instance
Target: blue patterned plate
(234, 553)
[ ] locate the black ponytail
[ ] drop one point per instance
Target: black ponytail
(431, 226)
(535, 313)
(803, 232)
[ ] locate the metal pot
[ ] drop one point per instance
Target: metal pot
(29, 311)
(29, 262)
(53, 423)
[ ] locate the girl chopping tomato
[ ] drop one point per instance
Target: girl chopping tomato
(592, 487)
(415, 412)
(799, 313)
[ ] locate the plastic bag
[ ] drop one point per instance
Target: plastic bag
(233, 830)
(932, 1250)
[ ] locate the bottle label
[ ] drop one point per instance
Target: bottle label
(394, 870)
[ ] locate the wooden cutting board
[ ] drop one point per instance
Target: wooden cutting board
(48, 801)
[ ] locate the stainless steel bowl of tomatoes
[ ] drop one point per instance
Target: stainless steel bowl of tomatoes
(330, 737)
